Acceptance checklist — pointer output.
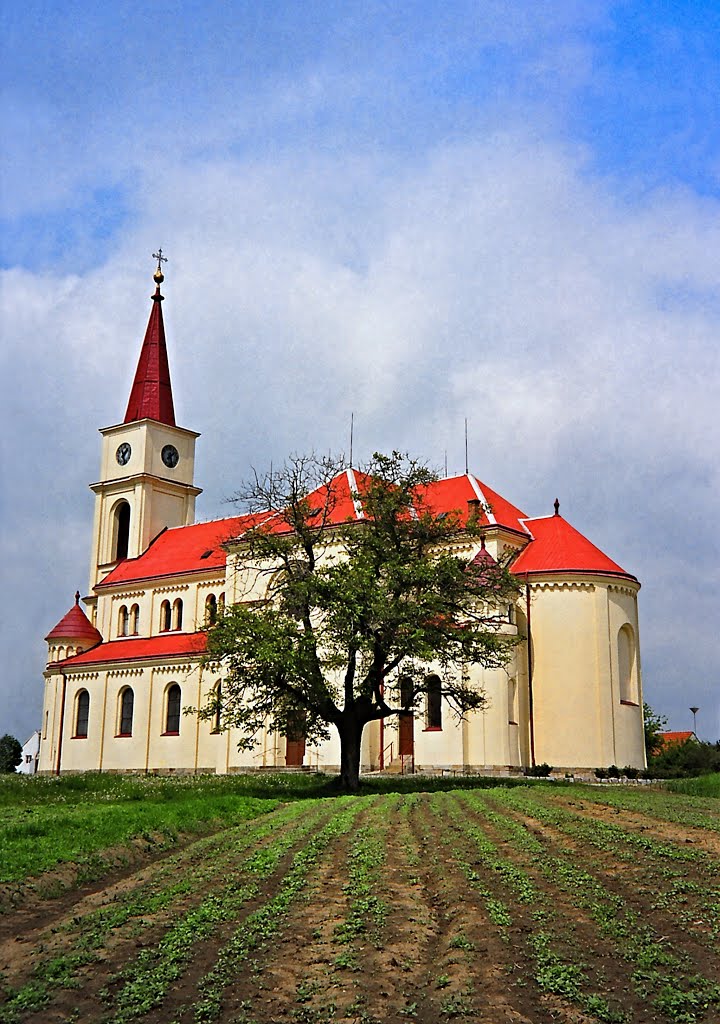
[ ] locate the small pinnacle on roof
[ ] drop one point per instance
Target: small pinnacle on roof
(556, 505)
(482, 541)
(77, 597)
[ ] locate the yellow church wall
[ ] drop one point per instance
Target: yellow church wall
(578, 718)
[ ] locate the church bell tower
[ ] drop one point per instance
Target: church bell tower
(146, 474)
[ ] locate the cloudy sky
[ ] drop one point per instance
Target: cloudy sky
(505, 210)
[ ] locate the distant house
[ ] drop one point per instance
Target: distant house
(30, 755)
(670, 739)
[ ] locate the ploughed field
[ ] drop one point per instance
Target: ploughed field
(525, 904)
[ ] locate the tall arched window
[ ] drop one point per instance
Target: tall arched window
(627, 665)
(433, 703)
(217, 702)
(127, 702)
(512, 702)
(121, 530)
(177, 613)
(135, 619)
(172, 712)
(165, 617)
(123, 621)
(211, 610)
(221, 604)
(82, 714)
(406, 692)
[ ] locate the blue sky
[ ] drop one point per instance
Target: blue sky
(502, 210)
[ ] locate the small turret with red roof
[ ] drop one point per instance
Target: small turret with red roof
(74, 633)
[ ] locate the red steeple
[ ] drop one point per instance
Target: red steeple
(151, 395)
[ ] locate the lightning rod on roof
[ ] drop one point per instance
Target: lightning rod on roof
(466, 449)
(352, 424)
(446, 463)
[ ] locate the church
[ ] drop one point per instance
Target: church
(121, 669)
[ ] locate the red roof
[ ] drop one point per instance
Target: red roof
(336, 502)
(151, 394)
(454, 493)
(167, 645)
(180, 550)
(557, 546)
(668, 738)
(75, 626)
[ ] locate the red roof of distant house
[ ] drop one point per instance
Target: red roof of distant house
(668, 738)
(556, 546)
(167, 645)
(182, 549)
(151, 394)
(75, 626)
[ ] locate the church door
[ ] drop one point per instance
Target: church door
(406, 739)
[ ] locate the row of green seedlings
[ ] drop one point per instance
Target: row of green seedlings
(150, 976)
(458, 1003)
(696, 906)
(691, 811)
(554, 972)
(268, 921)
(365, 913)
(659, 974)
(135, 910)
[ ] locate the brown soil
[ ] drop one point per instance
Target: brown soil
(437, 956)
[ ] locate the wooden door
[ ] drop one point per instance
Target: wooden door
(406, 739)
(295, 752)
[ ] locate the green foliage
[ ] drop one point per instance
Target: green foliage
(10, 753)
(678, 760)
(654, 725)
(538, 771)
(352, 609)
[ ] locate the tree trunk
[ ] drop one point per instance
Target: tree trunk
(350, 731)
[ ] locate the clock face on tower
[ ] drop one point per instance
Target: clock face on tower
(123, 454)
(170, 456)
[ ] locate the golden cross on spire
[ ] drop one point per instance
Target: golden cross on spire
(158, 276)
(160, 258)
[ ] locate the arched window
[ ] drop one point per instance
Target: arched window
(433, 703)
(511, 614)
(127, 702)
(123, 621)
(211, 610)
(82, 714)
(47, 715)
(61, 653)
(221, 604)
(512, 702)
(135, 619)
(165, 617)
(627, 665)
(121, 530)
(406, 692)
(217, 707)
(172, 712)
(177, 613)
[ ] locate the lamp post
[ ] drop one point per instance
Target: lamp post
(694, 713)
